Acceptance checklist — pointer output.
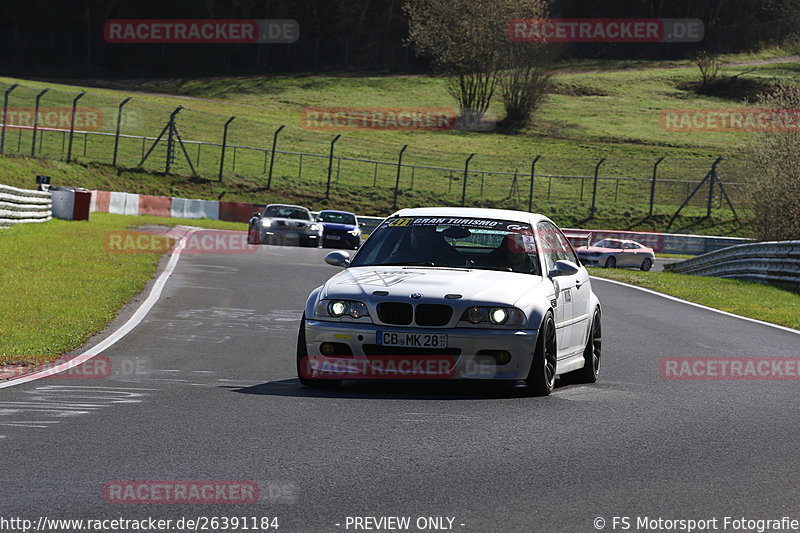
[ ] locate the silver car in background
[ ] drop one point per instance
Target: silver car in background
(613, 253)
(285, 225)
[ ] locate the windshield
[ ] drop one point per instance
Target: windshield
(485, 244)
(608, 243)
(287, 211)
(337, 218)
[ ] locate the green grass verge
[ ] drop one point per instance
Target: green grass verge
(60, 286)
(753, 300)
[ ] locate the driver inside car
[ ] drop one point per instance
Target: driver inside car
(510, 255)
(424, 244)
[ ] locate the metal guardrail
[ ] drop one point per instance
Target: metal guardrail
(767, 262)
(18, 206)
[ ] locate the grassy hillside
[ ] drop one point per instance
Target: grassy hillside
(609, 110)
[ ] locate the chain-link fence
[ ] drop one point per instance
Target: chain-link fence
(100, 127)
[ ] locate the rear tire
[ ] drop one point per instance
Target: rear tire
(647, 264)
(302, 358)
(611, 262)
(542, 376)
(591, 354)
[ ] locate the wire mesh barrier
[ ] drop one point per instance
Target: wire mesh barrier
(272, 152)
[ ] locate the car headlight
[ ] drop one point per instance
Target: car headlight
(355, 232)
(341, 308)
(314, 227)
(499, 316)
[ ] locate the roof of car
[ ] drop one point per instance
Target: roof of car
(337, 211)
(471, 212)
(288, 205)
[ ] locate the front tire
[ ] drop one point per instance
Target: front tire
(647, 264)
(252, 235)
(302, 358)
(542, 376)
(611, 262)
(591, 354)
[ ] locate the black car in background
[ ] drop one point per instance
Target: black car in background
(340, 229)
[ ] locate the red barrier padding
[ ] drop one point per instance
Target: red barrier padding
(102, 201)
(157, 206)
(236, 211)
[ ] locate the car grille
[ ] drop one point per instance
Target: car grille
(395, 313)
(341, 232)
(372, 350)
(433, 314)
(402, 314)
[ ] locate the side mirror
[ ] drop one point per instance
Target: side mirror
(563, 268)
(338, 259)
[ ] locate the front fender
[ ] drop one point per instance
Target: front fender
(311, 302)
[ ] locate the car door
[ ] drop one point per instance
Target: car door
(630, 254)
(581, 314)
(552, 250)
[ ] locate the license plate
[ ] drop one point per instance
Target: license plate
(412, 340)
(334, 237)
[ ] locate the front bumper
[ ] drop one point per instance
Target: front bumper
(291, 237)
(592, 261)
(468, 364)
(343, 241)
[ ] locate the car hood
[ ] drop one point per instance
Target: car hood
(596, 249)
(333, 225)
(480, 286)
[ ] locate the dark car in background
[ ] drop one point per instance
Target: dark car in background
(340, 229)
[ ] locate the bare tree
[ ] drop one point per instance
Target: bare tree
(774, 190)
(709, 65)
(526, 82)
(469, 41)
(461, 36)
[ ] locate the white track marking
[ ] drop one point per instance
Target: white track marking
(673, 298)
(133, 321)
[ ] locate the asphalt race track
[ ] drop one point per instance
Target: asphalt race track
(204, 389)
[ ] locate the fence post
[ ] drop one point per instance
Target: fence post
(711, 183)
(594, 187)
(36, 121)
(653, 185)
(530, 191)
(170, 140)
(5, 117)
(397, 180)
(466, 172)
(72, 124)
(119, 125)
(330, 167)
(224, 144)
(272, 154)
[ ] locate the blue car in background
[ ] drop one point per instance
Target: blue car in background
(339, 229)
